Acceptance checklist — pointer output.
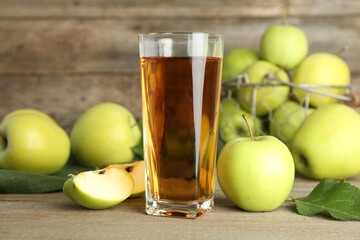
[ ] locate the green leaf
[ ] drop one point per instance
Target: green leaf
(139, 150)
(221, 144)
(338, 198)
(12, 181)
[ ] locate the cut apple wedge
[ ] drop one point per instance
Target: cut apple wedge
(99, 189)
(137, 171)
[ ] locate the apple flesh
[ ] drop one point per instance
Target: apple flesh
(322, 69)
(268, 98)
(105, 134)
(99, 189)
(326, 145)
(137, 172)
(284, 45)
(256, 175)
(32, 141)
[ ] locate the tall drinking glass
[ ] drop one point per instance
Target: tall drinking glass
(181, 87)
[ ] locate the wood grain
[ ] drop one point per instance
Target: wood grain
(54, 216)
(64, 56)
(66, 97)
(110, 45)
(170, 8)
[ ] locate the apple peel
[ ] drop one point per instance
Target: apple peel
(99, 189)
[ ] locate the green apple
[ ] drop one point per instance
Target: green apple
(137, 172)
(287, 119)
(236, 61)
(238, 121)
(256, 173)
(326, 145)
(99, 189)
(229, 106)
(105, 134)
(268, 98)
(284, 45)
(231, 122)
(32, 141)
(322, 69)
(29, 111)
(227, 130)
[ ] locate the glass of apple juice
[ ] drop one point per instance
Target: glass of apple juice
(181, 88)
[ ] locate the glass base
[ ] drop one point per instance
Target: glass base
(168, 209)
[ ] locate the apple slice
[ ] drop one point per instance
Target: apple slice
(137, 171)
(99, 189)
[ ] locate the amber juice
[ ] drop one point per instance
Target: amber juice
(180, 116)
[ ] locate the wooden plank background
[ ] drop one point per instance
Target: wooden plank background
(63, 56)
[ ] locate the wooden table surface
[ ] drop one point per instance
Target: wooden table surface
(54, 216)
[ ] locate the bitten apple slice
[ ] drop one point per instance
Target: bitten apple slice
(137, 171)
(99, 189)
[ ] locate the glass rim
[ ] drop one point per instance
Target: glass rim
(174, 34)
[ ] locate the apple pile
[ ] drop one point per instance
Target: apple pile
(283, 56)
(321, 133)
(104, 135)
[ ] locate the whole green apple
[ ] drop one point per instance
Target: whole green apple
(322, 69)
(236, 61)
(256, 174)
(287, 119)
(231, 122)
(284, 45)
(229, 106)
(32, 141)
(105, 134)
(29, 111)
(239, 123)
(227, 130)
(99, 189)
(326, 145)
(268, 98)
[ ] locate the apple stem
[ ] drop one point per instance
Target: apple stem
(283, 14)
(249, 128)
(342, 50)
